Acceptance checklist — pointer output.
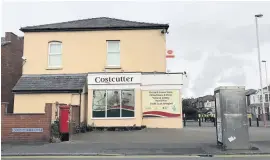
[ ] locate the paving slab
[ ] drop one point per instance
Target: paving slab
(187, 141)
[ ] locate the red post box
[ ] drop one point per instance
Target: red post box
(64, 119)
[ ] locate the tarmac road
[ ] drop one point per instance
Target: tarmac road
(221, 157)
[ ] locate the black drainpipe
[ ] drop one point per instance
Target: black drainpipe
(80, 108)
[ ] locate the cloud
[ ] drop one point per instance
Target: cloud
(242, 40)
(193, 55)
(233, 45)
(192, 39)
(214, 68)
(235, 75)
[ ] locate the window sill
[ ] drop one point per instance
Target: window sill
(54, 68)
(112, 67)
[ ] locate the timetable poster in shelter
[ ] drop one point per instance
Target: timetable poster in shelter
(161, 103)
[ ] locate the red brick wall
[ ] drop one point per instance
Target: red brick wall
(11, 67)
(9, 121)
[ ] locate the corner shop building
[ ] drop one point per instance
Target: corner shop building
(151, 99)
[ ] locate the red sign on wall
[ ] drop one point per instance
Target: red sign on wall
(170, 54)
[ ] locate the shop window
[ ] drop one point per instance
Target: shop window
(113, 103)
(99, 103)
(127, 103)
(113, 53)
(55, 54)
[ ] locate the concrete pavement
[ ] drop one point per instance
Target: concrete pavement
(187, 141)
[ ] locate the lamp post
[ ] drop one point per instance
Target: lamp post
(268, 86)
(259, 60)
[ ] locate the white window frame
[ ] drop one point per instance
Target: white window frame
(92, 117)
(52, 54)
(108, 65)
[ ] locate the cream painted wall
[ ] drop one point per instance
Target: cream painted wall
(137, 120)
(84, 105)
(35, 103)
(86, 51)
(163, 122)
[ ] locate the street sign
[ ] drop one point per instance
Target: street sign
(27, 129)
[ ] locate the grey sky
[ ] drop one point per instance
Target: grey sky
(213, 41)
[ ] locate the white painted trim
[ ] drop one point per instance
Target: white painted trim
(161, 87)
(113, 118)
(49, 54)
(108, 87)
(107, 42)
(114, 73)
(106, 103)
(137, 86)
(121, 103)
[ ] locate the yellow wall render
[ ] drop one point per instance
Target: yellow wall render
(163, 122)
(35, 103)
(86, 51)
(110, 122)
(83, 107)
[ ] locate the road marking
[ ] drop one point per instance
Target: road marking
(97, 157)
(127, 157)
(242, 156)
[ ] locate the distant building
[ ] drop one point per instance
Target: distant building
(202, 100)
(210, 105)
(204, 103)
(11, 64)
(254, 102)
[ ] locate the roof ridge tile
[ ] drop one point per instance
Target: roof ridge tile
(95, 23)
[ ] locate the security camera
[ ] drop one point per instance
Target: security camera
(163, 31)
(23, 58)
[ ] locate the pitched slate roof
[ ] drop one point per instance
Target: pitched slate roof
(267, 87)
(100, 23)
(50, 82)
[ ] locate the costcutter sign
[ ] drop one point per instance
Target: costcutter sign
(123, 79)
(114, 79)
